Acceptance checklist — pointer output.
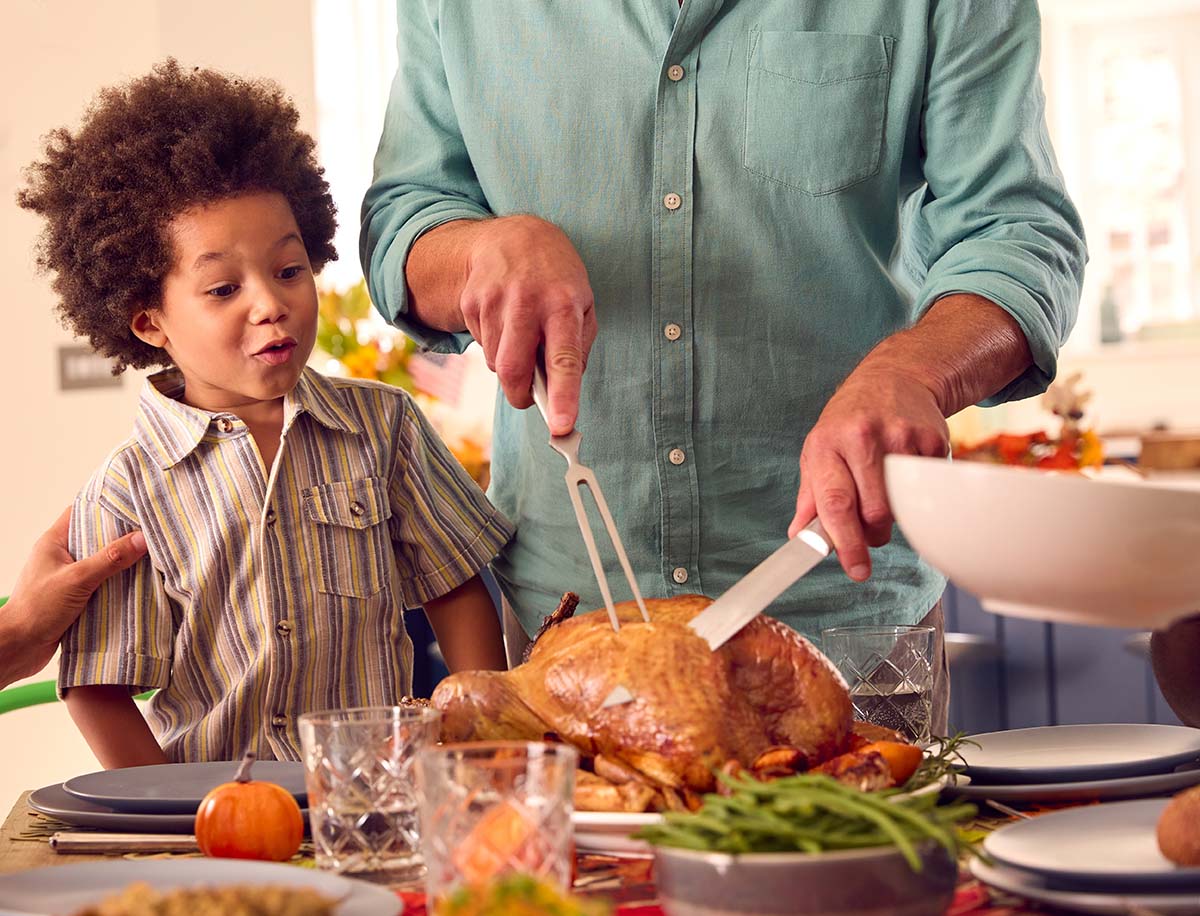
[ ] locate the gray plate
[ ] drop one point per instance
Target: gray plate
(177, 788)
(1032, 887)
(1073, 753)
(1088, 790)
(853, 882)
(58, 802)
(1101, 847)
(69, 888)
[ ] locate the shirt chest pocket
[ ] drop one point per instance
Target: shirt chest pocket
(349, 534)
(815, 108)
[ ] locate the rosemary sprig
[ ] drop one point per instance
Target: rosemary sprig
(946, 761)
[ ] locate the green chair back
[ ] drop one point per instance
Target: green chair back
(27, 695)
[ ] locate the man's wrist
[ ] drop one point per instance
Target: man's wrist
(965, 348)
(887, 364)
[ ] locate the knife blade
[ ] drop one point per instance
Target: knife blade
(754, 592)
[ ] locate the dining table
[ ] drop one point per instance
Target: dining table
(628, 882)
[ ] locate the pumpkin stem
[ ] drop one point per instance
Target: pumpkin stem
(243, 773)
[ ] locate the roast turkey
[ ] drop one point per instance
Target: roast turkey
(694, 709)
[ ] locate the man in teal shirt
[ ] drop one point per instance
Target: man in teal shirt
(766, 229)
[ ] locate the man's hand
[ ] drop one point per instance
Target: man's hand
(964, 349)
(50, 592)
(873, 414)
(517, 284)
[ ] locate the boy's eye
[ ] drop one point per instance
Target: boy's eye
(224, 291)
(290, 273)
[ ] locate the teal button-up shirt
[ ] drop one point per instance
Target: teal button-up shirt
(761, 190)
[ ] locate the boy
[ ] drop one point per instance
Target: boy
(289, 517)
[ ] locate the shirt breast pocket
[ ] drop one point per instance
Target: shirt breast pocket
(349, 533)
(816, 104)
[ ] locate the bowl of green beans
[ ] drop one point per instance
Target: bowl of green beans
(807, 845)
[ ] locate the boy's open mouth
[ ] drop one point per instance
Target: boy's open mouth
(277, 352)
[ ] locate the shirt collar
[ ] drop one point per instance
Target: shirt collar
(170, 430)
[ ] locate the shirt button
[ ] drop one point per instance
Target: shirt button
(674, 73)
(673, 331)
(284, 628)
(672, 201)
(279, 720)
(357, 508)
(226, 424)
(270, 518)
(677, 456)
(679, 574)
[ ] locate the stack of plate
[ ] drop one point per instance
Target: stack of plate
(1078, 763)
(1093, 859)
(154, 799)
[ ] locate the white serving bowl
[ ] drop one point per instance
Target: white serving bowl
(1054, 546)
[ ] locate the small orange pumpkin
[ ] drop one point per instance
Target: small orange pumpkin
(244, 819)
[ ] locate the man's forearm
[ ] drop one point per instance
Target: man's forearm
(113, 726)
(436, 271)
(965, 349)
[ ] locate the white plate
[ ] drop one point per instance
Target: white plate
(611, 832)
(1105, 846)
(67, 888)
(177, 788)
(1072, 753)
(1120, 904)
(1088, 790)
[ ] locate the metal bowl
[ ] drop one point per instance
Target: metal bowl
(855, 882)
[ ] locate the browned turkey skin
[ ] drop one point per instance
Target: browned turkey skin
(694, 709)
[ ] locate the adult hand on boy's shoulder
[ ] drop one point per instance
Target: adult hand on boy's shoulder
(50, 592)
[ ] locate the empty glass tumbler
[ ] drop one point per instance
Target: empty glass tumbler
(362, 800)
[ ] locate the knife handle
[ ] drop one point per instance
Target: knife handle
(541, 396)
(813, 534)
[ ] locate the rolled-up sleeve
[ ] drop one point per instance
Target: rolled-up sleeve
(125, 634)
(423, 175)
(994, 218)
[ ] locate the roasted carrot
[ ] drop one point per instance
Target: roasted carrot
(494, 842)
(902, 759)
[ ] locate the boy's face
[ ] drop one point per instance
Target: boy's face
(239, 307)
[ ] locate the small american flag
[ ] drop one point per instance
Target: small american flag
(438, 375)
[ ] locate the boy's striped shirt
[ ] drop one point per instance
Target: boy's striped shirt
(265, 595)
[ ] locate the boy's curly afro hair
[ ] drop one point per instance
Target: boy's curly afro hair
(146, 152)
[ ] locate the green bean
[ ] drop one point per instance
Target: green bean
(809, 813)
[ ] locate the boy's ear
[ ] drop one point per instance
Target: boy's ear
(145, 328)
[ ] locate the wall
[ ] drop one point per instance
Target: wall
(58, 54)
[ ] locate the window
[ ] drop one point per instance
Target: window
(1126, 94)
(354, 43)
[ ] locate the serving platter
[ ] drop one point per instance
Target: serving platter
(69, 888)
